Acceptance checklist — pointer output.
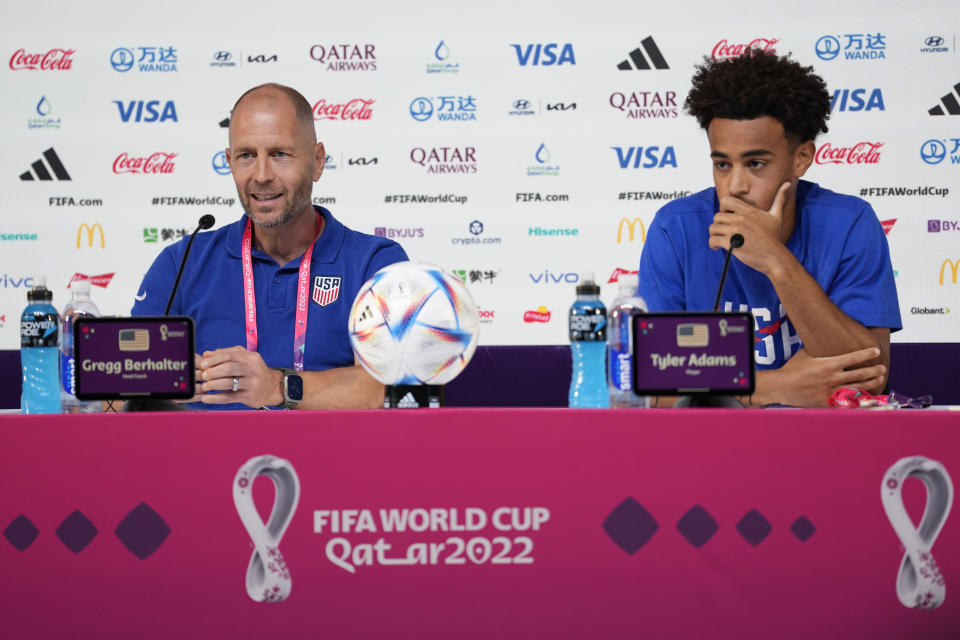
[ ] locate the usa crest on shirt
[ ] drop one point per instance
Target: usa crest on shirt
(326, 289)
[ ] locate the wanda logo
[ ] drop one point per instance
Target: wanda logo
(860, 153)
(154, 163)
(52, 60)
(724, 49)
(356, 109)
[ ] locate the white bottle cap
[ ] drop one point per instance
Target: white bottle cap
(629, 282)
(39, 282)
(81, 287)
(586, 276)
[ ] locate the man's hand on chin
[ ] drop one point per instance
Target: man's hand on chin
(762, 247)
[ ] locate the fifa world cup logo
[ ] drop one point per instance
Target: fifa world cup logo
(268, 577)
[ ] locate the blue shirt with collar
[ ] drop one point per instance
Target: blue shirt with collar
(211, 292)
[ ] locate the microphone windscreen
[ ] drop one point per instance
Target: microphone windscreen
(736, 241)
(208, 221)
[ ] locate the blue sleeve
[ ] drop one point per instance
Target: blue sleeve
(661, 270)
(384, 256)
(864, 287)
(151, 299)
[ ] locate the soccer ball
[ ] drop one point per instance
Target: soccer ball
(411, 323)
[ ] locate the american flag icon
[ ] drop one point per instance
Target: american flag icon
(692, 335)
(326, 289)
(134, 340)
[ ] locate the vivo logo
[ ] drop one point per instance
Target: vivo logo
(628, 156)
(12, 282)
(146, 111)
(548, 277)
(544, 54)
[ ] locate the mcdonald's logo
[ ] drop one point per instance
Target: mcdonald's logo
(90, 231)
(631, 225)
(954, 267)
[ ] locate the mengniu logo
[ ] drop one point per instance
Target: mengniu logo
(855, 100)
(544, 55)
(145, 59)
(853, 46)
(540, 315)
(637, 61)
(354, 109)
(345, 57)
(41, 171)
(90, 230)
(51, 60)
(219, 163)
(631, 227)
(146, 110)
(948, 102)
(954, 266)
(725, 49)
(860, 153)
(651, 157)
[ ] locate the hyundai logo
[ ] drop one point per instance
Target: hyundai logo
(827, 48)
(421, 109)
(222, 56)
(521, 105)
(219, 163)
(122, 59)
(933, 151)
(933, 41)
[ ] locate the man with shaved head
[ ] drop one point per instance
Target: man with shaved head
(270, 293)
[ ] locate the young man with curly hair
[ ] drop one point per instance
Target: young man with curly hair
(814, 268)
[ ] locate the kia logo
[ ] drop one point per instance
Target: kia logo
(933, 151)
(933, 41)
(222, 56)
(827, 48)
(521, 105)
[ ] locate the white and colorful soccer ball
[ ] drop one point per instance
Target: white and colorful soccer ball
(412, 323)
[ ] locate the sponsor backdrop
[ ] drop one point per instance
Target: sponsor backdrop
(516, 146)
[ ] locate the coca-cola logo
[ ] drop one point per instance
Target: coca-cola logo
(356, 109)
(860, 153)
(725, 49)
(52, 60)
(154, 163)
(541, 314)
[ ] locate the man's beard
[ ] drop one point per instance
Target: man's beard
(296, 204)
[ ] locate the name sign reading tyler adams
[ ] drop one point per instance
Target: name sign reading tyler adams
(693, 353)
(145, 357)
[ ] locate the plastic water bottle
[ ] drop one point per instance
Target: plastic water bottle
(588, 346)
(39, 334)
(80, 306)
(620, 346)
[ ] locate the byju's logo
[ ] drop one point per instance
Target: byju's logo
(355, 109)
(948, 102)
(646, 157)
(219, 163)
(150, 59)
(853, 100)
(543, 166)
(645, 104)
(146, 110)
(860, 153)
(40, 171)
(43, 122)
(937, 226)
(393, 232)
(52, 60)
(442, 65)
(345, 57)
(724, 49)
(446, 108)
(223, 59)
(637, 61)
(854, 46)
(445, 159)
(544, 55)
(934, 44)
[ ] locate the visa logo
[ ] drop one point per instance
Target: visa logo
(853, 100)
(146, 111)
(548, 277)
(544, 54)
(653, 158)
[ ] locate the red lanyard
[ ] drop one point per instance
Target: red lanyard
(303, 287)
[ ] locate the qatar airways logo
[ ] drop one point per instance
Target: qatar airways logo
(445, 159)
(345, 57)
(154, 163)
(724, 49)
(860, 153)
(52, 60)
(356, 109)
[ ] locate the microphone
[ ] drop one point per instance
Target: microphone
(206, 221)
(736, 241)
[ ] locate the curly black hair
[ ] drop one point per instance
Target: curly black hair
(760, 83)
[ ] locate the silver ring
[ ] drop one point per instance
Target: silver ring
(236, 384)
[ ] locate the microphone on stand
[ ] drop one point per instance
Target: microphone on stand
(207, 221)
(736, 241)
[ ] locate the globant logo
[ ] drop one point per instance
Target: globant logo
(150, 59)
(540, 315)
(159, 162)
(392, 232)
(355, 109)
(725, 49)
(52, 60)
(854, 46)
(544, 55)
(651, 157)
(223, 59)
(443, 64)
(445, 159)
(43, 122)
(938, 226)
(447, 108)
(345, 57)
(146, 110)
(646, 104)
(219, 163)
(853, 100)
(934, 44)
(542, 168)
(929, 311)
(860, 153)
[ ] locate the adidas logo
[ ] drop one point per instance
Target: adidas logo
(950, 102)
(640, 61)
(408, 402)
(40, 169)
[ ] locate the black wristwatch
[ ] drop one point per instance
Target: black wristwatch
(292, 388)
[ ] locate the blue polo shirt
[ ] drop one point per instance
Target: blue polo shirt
(837, 238)
(211, 292)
